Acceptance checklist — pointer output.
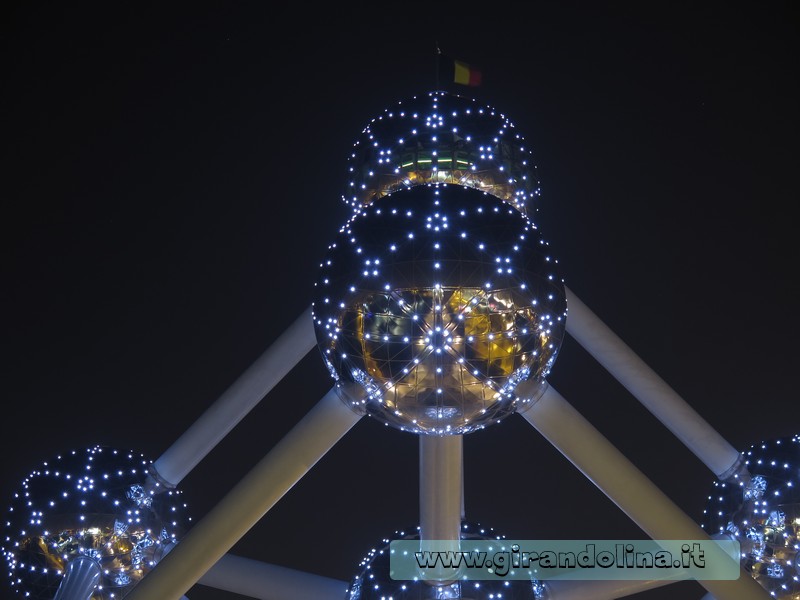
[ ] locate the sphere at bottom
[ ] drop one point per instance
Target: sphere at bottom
(374, 582)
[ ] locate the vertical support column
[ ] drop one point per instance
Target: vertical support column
(80, 580)
(440, 486)
(463, 506)
(440, 495)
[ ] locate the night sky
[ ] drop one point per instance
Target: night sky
(172, 176)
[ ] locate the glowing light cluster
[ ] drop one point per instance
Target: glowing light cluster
(441, 137)
(373, 581)
(89, 503)
(763, 514)
(439, 300)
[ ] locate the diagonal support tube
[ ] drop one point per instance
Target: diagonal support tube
(599, 589)
(238, 400)
(652, 391)
(264, 581)
(619, 479)
(241, 508)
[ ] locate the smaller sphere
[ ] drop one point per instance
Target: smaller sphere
(762, 513)
(89, 504)
(441, 137)
(374, 582)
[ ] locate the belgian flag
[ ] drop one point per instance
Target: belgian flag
(457, 71)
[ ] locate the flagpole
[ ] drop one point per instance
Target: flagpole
(438, 55)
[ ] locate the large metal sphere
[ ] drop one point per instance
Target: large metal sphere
(439, 301)
(89, 504)
(441, 138)
(374, 582)
(763, 514)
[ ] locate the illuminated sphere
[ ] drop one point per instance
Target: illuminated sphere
(89, 503)
(441, 137)
(439, 301)
(763, 514)
(373, 581)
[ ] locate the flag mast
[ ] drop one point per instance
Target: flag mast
(438, 66)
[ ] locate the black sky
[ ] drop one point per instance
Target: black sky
(171, 179)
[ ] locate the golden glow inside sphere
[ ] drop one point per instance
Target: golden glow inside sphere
(442, 137)
(374, 580)
(763, 514)
(439, 301)
(89, 504)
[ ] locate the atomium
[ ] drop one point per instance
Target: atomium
(441, 137)
(763, 514)
(442, 302)
(89, 504)
(374, 582)
(439, 301)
